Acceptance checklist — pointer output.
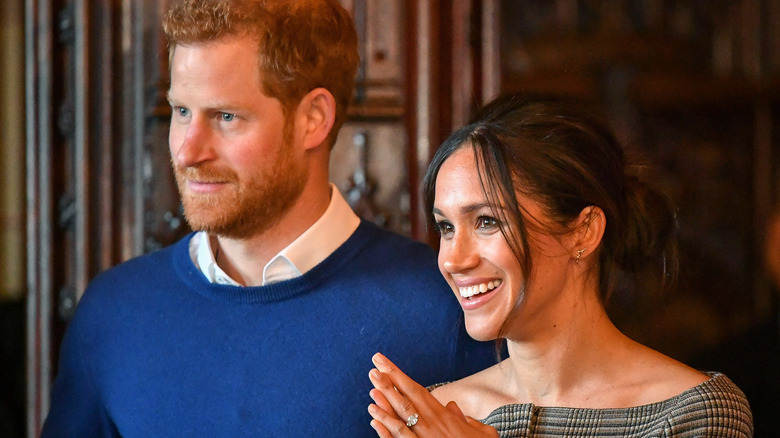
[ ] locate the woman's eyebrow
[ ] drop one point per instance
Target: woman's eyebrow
(469, 208)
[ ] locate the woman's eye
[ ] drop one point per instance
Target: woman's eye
(183, 112)
(444, 228)
(486, 222)
(227, 117)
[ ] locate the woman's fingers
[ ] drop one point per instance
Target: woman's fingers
(380, 429)
(380, 400)
(409, 399)
(391, 400)
(401, 381)
(387, 424)
(405, 409)
(452, 406)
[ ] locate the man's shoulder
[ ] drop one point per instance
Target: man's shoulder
(395, 244)
(156, 266)
(160, 258)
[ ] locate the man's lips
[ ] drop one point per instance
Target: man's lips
(204, 186)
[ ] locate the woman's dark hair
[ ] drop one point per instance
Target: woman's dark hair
(565, 158)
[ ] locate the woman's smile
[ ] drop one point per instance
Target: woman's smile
(475, 296)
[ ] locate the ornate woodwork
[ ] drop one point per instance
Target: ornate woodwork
(98, 183)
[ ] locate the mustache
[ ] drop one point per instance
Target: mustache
(206, 174)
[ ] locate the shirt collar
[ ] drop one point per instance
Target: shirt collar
(200, 247)
(326, 235)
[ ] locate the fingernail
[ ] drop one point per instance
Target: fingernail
(373, 424)
(379, 359)
(374, 374)
(372, 409)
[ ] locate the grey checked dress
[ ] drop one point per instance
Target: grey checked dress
(715, 408)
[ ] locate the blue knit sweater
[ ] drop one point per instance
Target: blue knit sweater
(155, 350)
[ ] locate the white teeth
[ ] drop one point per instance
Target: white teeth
(470, 291)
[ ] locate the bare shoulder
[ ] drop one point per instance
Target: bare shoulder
(476, 395)
(661, 377)
(677, 373)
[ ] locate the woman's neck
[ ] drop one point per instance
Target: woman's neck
(562, 365)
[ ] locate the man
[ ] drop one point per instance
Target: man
(264, 321)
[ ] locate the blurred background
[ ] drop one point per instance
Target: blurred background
(692, 87)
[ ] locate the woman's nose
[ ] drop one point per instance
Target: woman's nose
(458, 254)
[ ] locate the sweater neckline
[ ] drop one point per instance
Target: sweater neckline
(284, 290)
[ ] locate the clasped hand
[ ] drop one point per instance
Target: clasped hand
(404, 408)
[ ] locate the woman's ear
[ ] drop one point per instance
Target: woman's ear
(587, 232)
(317, 112)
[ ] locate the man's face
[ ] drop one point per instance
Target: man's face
(237, 170)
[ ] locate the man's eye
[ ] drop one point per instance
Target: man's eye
(184, 112)
(227, 117)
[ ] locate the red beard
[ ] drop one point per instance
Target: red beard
(243, 206)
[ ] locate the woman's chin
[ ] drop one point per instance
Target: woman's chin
(482, 334)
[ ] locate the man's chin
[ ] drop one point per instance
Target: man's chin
(207, 218)
(221, 226)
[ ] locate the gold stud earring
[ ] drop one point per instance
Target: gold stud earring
(579, 254)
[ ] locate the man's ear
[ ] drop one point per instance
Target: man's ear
(588, 231)
(317, 113)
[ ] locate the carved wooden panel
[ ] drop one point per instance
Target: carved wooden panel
(150, 212)
(368, 164)
(58, 167)
(369, 160)
(380, 28)
(94, 120)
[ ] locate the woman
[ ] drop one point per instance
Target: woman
(539, 225)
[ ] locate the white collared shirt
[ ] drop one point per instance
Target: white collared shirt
(326, 235)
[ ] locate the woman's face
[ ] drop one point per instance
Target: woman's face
(478, 263)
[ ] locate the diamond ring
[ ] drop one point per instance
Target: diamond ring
(412, 420)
